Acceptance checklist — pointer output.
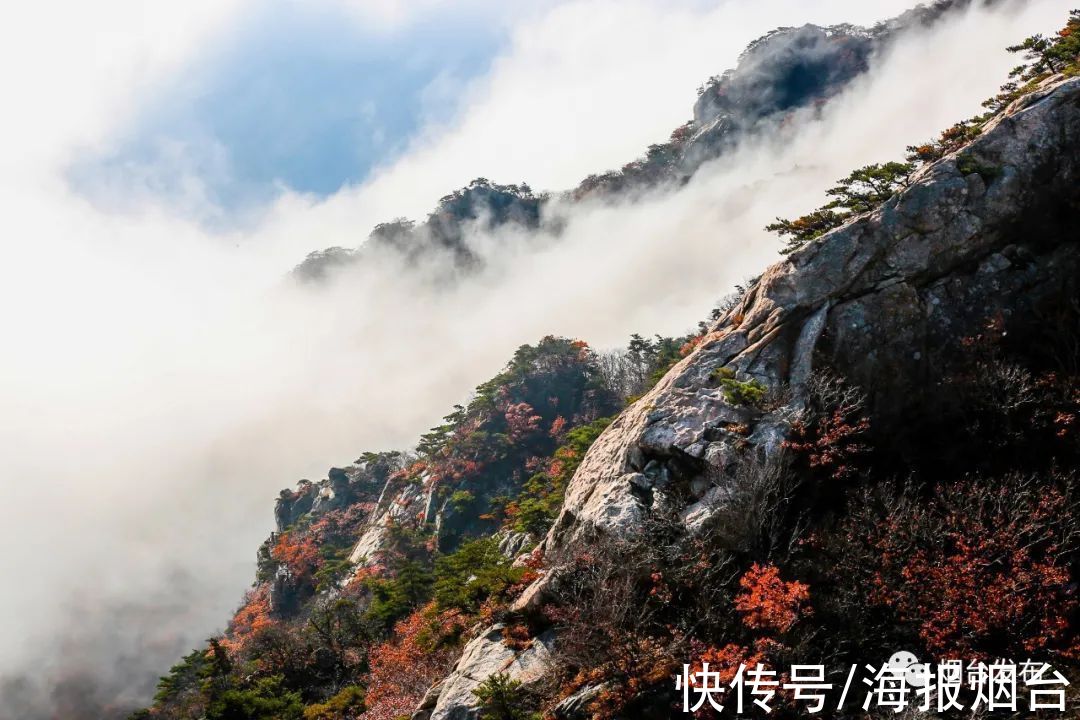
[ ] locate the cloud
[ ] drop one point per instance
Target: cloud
(390, 15)
(567, 100)
(300, 96)
(161, 383)
(75, 69)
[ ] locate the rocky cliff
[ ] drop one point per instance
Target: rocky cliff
(789, 70)
(873, 447)
(989, 231)
(988, 234)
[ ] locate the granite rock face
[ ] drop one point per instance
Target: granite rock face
(485, 656)
(789, 70)
(987, 231)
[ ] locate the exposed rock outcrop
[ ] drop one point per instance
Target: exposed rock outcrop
(791, 69)
(485, 656)
(985, 231)
(988, 231)
(341, 488)
(576, 707)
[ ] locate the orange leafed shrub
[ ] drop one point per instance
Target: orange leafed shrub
(297, 552)
(690, 345)
(832, 446)
(564, 457)
(980, 571)
(341, 526)
(637, 664)
(768, 602)
(252, 617)
(404, 667)
(357, 583)
(558, 427)
(726, 660)
(453, 469)
(412, 472)
(517, 636)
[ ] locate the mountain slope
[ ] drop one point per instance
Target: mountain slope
(789, 70)
(983, 242)
(989, 230)
(872, 448)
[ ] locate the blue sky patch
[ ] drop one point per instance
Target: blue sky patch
(293, 96)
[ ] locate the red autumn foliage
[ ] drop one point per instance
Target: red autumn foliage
(769, 603)
(831, 445)
(454, 469)
(517, 636)
(298, 552)
(981, 571)
(521, 421)
(339, 526)
(252, 618)
(583, 350)
(636, 665)
(1065, 422)
(563, 457)
(558, 427)
(404, 667)
(726, 660)
(682, 133)
(410, 473)
(356, 586)
(689, 346)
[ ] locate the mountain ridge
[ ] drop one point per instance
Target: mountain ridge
(788, 70)
(551, 551)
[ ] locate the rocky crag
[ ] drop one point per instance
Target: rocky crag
(990, 231)
(986, 234)
(871, 448)
(789, 70)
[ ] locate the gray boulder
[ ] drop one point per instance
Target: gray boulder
(485, 656)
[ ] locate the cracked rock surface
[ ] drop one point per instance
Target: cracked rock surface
(987, 231)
